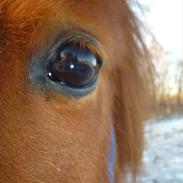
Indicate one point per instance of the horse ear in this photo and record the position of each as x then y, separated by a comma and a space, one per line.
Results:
130, 84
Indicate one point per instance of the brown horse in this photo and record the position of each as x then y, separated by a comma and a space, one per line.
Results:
72, 80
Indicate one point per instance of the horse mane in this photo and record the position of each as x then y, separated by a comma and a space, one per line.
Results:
130, 103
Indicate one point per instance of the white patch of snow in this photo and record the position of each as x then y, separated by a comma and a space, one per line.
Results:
163, 155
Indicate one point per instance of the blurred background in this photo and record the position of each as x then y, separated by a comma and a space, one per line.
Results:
163, 156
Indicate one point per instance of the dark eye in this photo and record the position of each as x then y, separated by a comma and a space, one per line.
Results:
74, 66
70, 67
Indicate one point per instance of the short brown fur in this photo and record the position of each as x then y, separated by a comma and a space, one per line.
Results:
47, 137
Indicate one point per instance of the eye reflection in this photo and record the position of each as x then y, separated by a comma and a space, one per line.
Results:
74, 66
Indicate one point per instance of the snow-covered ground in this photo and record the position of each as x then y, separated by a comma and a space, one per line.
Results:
163, 156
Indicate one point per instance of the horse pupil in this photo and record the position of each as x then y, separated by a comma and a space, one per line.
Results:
73, 66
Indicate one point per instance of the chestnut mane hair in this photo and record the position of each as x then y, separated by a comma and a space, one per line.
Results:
46, 136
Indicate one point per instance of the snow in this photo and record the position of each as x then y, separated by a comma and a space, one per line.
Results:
163, 155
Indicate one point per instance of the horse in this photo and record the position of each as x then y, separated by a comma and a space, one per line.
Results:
73, 80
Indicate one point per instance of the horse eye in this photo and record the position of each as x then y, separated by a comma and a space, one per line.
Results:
74, 66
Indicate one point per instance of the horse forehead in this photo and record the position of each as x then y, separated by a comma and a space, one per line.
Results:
28, 13
33, 7
20, 19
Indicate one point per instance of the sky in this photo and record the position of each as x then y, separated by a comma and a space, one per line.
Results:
165, 19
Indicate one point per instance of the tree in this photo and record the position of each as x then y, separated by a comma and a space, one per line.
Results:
180, 82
